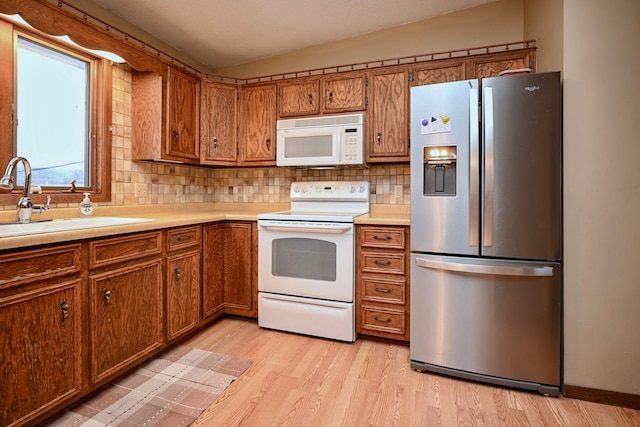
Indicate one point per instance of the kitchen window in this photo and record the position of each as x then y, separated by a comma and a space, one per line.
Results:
59, 121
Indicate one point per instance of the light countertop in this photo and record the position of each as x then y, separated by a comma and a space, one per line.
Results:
175, 215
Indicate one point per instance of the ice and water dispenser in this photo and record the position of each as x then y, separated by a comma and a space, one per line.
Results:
440, 170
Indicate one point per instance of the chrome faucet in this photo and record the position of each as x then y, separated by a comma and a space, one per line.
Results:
25, 206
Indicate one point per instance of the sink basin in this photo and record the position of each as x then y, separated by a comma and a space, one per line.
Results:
11, 230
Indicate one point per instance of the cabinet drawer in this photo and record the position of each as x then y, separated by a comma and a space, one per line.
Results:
126, 248
28, 266
183, 237
384, 290
382, 319
380, 262
381, 237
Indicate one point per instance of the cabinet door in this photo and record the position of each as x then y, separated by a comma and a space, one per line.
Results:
388, 136
344, 93
126, 316
299, 98
259, 126
213, 250
439, 72
218, 124
182, 116
238, 262
182, 293
492, 65
41, 342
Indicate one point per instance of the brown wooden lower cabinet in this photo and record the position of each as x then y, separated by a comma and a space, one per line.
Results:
229, 269
382, 281
41, 350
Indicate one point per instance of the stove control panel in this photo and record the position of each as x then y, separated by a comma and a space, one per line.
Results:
330, 190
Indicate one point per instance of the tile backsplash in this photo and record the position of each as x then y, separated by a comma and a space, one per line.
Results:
169, 183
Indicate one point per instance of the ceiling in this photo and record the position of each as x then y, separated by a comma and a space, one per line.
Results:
224, 33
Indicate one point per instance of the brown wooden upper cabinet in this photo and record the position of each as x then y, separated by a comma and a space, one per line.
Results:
387, 137
439, 72
165, 115
490, 65
218, 123
334, 93
344, 93
299, 97
258, 125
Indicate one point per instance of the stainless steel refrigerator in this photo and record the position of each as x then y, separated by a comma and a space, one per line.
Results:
486, 230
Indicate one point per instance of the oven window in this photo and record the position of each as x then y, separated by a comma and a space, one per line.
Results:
304, 259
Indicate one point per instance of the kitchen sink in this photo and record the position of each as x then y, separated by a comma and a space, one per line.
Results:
68, 224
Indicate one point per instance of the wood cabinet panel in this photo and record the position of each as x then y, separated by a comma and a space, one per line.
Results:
218, 124
41, 342
439, 72
258, 121
126, 316
213, 250
26, 266
299, 97
388, 136
490, 65
182, 140
238, 266
182, 293
118, 249
344, 93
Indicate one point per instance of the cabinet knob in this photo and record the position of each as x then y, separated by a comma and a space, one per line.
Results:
64, 309
310, 99
177, 273
379, 137
331, 97
107, 295
268, 143
215, 142
176, 136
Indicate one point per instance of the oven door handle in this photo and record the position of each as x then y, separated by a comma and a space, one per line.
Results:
306, 229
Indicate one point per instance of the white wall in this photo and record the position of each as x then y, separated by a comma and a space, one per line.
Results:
602, 194
498, 22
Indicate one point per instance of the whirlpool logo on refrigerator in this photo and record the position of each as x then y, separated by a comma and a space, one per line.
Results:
532, 88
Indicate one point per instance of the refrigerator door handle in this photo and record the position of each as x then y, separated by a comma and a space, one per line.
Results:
487, 231
503, 270
474, 169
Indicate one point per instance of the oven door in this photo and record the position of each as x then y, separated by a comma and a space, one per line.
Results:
307, 259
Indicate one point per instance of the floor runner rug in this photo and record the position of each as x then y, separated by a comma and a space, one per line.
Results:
172, 389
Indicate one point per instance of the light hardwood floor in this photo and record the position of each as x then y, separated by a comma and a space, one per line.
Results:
296, 380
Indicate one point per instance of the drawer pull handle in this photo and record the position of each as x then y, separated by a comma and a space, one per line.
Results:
382, 262
64, 308
377, 319
107, 295
376, 237
183, 238
382, 290
177, 273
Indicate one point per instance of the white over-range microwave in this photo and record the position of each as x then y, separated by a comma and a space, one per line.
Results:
321, 141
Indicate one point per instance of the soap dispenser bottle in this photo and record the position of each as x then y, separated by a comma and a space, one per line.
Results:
86, 207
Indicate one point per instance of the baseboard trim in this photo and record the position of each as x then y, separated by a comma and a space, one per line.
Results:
603, 396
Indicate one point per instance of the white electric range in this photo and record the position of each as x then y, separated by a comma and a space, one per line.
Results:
306, 260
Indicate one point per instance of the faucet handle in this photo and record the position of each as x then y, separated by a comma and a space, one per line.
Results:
42, 208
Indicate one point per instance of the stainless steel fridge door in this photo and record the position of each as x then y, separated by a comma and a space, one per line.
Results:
522, 164
446, 223
500, 320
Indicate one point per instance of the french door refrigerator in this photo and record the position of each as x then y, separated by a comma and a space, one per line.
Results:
486, 230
